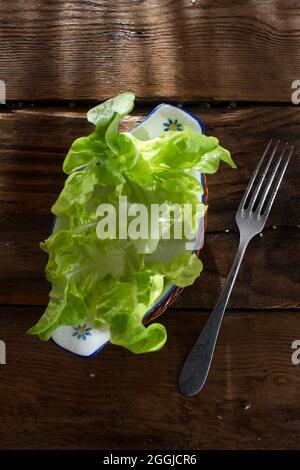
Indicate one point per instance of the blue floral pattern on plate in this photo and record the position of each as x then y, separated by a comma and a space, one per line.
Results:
81, 331
173, 125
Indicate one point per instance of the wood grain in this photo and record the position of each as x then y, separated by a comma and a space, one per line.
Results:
33, 144
179, 49
52, 399
268, 278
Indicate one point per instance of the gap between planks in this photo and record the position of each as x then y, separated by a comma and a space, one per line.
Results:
13, 105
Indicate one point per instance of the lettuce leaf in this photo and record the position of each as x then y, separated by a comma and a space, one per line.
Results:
114, 281
106, 117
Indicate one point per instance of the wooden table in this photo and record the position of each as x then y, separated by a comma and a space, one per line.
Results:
232, 64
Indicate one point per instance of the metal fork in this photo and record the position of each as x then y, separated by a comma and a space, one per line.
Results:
250, 218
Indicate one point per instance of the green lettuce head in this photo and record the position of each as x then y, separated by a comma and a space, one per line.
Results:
113, 281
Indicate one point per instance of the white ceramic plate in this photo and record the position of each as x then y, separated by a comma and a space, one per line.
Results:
84, 340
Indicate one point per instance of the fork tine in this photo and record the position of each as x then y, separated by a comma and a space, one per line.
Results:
250, 184
271, 179
277, 184
261, 180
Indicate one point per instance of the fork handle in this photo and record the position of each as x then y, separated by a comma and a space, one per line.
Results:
196, 367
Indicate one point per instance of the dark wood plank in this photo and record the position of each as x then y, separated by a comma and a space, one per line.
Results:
32, 147
176, 49
51, 399
34, 142
246, 132
273, 256
268, 278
